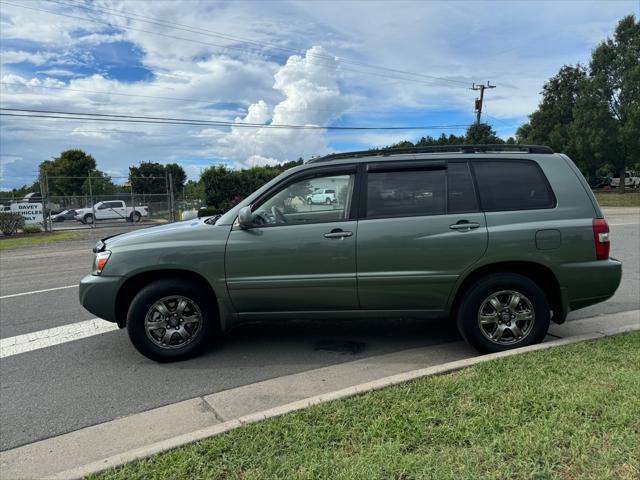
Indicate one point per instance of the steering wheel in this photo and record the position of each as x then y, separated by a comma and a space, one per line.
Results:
279, 216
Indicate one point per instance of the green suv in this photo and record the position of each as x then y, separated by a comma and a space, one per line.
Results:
501, 239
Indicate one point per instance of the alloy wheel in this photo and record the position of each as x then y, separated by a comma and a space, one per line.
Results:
173, 322
506, 317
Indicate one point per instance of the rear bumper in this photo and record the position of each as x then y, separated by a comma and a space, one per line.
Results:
98, 295
587, 283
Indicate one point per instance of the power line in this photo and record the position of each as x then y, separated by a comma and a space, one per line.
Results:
195, 100
262, 44
32, 113
104, 22
140, 133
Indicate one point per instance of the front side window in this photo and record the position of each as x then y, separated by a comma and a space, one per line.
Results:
512, 185
406, 193
317, 199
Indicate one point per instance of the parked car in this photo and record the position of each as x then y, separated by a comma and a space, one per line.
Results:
504, 243
111, 210
322, 195
64, 215
599, 182
631, 180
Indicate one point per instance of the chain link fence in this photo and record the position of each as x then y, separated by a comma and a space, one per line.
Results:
103, 201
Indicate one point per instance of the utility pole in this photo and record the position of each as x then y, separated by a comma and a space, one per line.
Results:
480, 100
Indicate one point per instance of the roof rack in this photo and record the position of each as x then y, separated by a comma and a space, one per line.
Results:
501, 147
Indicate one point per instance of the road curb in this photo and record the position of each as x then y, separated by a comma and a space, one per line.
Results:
180, 440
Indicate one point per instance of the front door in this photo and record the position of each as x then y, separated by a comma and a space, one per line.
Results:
298, 256
420, 229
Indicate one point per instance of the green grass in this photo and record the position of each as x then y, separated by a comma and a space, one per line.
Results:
12, 242
615, 199
571, 412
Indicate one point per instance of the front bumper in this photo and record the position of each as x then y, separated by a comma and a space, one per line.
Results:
98, 295
587, 283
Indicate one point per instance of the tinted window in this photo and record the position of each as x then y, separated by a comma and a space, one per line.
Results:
460, 191
512, 185
405, 193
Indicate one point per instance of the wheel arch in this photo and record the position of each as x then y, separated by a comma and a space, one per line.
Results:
542, 275
134, 284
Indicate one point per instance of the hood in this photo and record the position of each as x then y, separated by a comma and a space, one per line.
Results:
161, 233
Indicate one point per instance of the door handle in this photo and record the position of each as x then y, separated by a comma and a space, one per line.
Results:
337, 233
464, 226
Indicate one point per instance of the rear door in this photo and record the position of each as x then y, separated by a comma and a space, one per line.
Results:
420, 227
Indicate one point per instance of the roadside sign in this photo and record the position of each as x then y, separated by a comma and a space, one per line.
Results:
32, 212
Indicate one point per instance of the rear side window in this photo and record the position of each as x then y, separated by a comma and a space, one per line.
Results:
406, 193
460, 191
512, 185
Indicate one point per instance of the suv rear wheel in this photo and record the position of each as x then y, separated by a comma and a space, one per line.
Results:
503, 311
171, 320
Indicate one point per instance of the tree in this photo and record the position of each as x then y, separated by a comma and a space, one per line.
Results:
178, 176
482, 134
194, 191
615, 72
224, 187
148, 178
101, 184
551, 123
593, 114
73, 166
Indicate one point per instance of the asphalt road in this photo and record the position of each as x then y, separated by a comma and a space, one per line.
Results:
62, 388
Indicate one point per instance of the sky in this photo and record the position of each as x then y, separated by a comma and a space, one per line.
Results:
318, 63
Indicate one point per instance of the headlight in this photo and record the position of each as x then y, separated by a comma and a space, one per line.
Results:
100, 261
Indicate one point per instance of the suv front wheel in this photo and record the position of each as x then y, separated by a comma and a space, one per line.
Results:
503, 311
170, 320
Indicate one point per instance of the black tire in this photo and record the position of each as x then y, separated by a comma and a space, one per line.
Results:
474, 297
135, 217
328, 201
88, 218
309, 201
160, 289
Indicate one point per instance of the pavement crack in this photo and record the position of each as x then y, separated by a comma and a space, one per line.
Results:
209, 408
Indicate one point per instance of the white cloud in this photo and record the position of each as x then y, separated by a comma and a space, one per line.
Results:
59, 72
18, 56
311, 97
516, 45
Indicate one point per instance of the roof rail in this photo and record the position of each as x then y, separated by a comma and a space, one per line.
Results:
500, 147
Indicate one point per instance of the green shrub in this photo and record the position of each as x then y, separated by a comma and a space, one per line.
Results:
208, 212
35, 228
10, 222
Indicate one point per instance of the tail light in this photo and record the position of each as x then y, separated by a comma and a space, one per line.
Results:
146, 209
601, 238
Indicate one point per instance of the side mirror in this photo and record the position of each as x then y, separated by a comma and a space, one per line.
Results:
245, 217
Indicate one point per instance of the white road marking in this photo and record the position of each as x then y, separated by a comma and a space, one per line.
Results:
54, 336
620, 224
38, 291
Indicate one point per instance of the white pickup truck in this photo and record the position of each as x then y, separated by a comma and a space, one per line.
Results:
111, 210
631, 180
